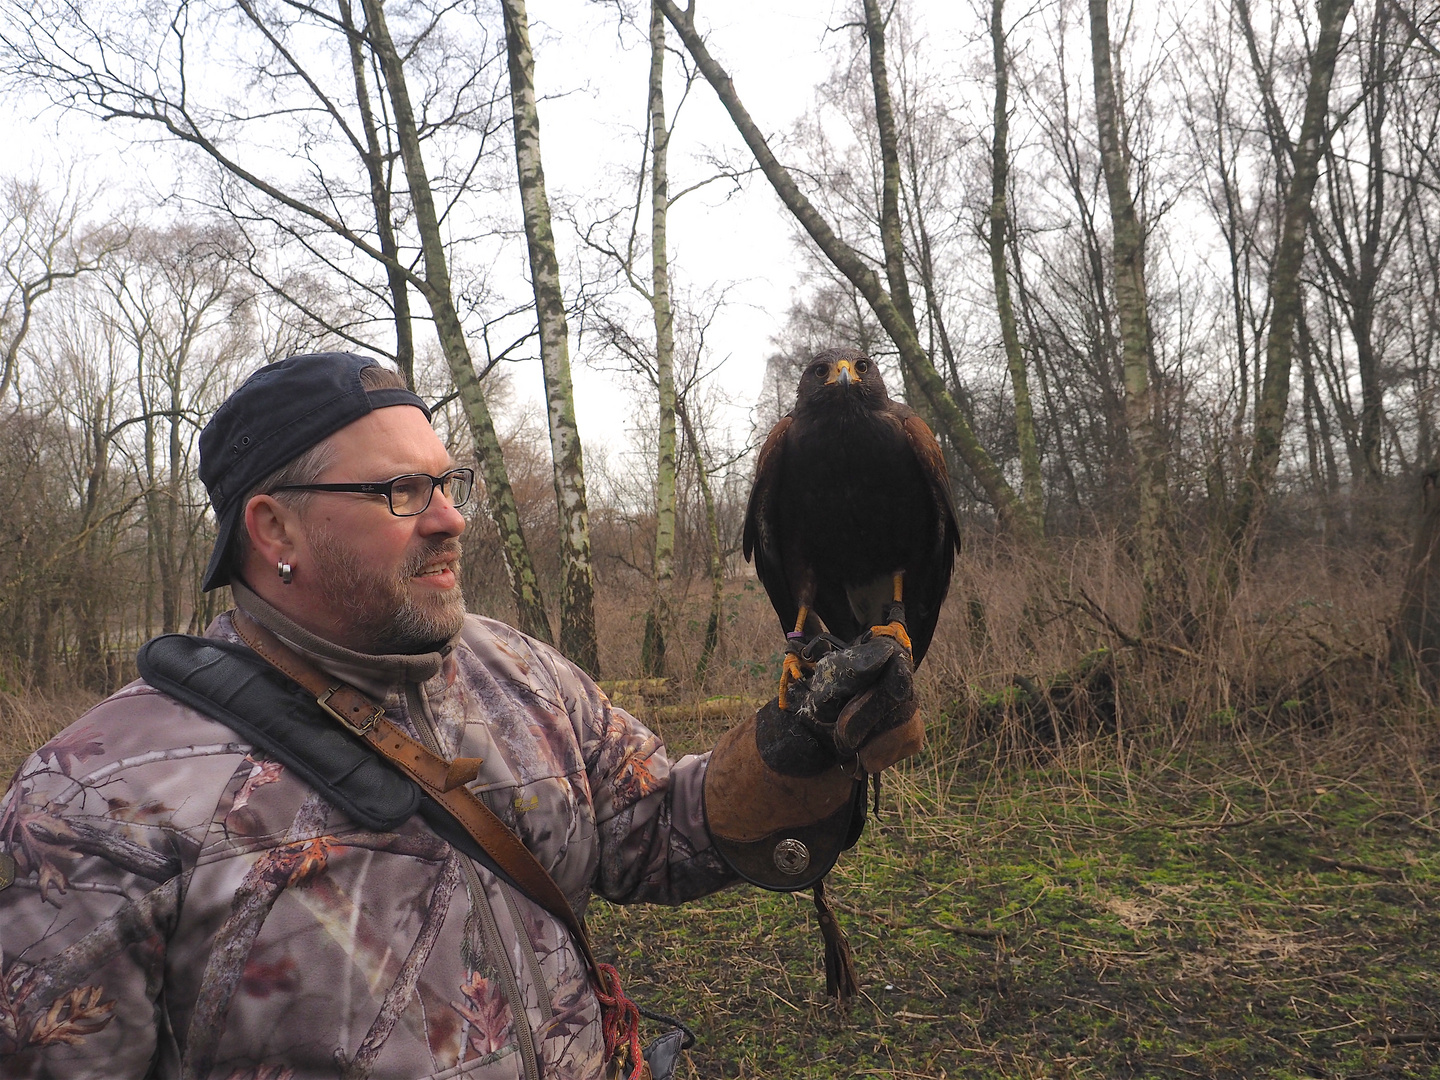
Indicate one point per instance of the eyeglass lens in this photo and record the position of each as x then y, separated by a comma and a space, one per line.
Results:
410, 495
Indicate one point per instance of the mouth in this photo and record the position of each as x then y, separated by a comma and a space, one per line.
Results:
440, 573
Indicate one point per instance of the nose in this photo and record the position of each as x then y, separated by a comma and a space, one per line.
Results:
843, 372
441, 518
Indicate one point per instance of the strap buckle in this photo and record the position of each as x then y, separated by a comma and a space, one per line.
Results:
362, 727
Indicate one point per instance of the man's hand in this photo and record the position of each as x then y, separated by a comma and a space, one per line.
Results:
858, 704
785, 790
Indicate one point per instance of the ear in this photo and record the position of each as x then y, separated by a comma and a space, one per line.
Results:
274, 529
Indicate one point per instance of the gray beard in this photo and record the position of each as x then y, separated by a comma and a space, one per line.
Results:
383, 615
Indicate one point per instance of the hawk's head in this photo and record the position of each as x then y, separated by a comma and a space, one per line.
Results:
840, 378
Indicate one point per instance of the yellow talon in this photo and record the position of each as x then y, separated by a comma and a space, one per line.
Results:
894, 630
790, 671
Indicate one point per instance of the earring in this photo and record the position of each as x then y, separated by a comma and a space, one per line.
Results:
287, 573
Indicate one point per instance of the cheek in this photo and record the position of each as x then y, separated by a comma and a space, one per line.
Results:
378, 548
390, 547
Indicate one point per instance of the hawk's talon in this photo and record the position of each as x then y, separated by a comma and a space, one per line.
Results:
791, 671
896, 630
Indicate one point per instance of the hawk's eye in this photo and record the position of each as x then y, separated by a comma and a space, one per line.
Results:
862, 366
820, 370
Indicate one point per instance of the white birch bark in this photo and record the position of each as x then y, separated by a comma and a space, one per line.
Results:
435, 286
577, 590
657, 620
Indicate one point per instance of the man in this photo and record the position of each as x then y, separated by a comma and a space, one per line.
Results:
180, 899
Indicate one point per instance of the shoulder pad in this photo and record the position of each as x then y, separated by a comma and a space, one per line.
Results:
229, 683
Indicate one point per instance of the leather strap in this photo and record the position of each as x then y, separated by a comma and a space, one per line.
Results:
442, 780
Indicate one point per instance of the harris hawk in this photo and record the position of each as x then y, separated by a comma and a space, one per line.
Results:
851, 521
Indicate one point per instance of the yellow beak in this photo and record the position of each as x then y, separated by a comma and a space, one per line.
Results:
844, 374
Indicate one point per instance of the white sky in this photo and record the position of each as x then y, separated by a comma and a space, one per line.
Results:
743, 243
592, 83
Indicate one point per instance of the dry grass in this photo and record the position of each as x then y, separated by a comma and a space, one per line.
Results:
28, 720
1219, 858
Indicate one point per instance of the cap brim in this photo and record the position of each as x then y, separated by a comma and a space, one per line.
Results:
218, 572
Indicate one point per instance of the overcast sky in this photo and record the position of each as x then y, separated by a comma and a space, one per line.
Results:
592, 79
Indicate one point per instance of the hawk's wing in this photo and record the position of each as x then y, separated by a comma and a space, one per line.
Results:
932, 464
761, 537
926, 586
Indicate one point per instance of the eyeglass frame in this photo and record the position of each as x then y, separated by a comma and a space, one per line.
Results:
387, 488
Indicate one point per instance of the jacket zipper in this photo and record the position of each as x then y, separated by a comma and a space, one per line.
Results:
524, 1035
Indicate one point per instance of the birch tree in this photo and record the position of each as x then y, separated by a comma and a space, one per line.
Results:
1302, 156
657, 619
858, 271
1160, 570
577, 589
146, 69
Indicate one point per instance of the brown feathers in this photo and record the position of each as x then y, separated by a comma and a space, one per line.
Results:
850, 490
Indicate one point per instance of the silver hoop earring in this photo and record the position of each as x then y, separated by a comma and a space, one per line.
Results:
287, 573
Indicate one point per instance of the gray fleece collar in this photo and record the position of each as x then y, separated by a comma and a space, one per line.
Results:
377, 676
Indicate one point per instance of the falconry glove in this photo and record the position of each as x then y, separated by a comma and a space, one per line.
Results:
785, 790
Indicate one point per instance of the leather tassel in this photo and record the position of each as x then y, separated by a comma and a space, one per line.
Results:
840, 979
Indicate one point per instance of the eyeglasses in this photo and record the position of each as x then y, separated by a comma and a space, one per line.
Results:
407, 495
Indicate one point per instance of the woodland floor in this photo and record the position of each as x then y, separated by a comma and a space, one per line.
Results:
1218, 914
1233, 872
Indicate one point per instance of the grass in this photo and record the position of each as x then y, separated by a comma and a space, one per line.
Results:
1052, 918
1222, 861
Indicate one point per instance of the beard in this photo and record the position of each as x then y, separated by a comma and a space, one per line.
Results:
384, 614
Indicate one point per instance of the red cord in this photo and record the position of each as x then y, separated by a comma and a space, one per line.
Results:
620, 1019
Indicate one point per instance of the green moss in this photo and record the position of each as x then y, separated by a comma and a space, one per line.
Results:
1176, 927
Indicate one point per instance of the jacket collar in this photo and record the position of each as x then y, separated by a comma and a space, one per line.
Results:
378, 676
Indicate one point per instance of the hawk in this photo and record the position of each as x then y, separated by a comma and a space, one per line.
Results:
851, 521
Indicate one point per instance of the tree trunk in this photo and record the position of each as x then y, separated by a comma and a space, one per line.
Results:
374, 158
850, 263
652, 651
577, 591
1031, 490
892, 234
1364, 229
1285, 298
171, 553
892, 237
1161, 574
499, 497
717, 559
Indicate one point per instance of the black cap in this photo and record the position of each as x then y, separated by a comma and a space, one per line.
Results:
278, 413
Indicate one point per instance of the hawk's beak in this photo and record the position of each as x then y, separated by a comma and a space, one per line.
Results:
844, 374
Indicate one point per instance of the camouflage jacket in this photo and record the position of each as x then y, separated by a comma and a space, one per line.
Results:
185, 907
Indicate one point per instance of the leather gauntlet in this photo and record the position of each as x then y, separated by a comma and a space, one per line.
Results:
785, 790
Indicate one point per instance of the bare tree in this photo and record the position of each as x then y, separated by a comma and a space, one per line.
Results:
42, 243
1302, 155
1365, 216
1160, 570
577, 589
657, 619
148, 69
858, 271
177, 304
1031, 491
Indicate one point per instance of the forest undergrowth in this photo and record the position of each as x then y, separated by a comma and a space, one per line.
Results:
1116, 856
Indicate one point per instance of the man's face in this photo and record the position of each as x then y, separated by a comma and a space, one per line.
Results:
373, 581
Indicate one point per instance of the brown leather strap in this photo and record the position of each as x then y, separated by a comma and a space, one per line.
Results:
442, 780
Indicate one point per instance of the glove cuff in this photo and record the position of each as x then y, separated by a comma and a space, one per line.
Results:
775, 830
